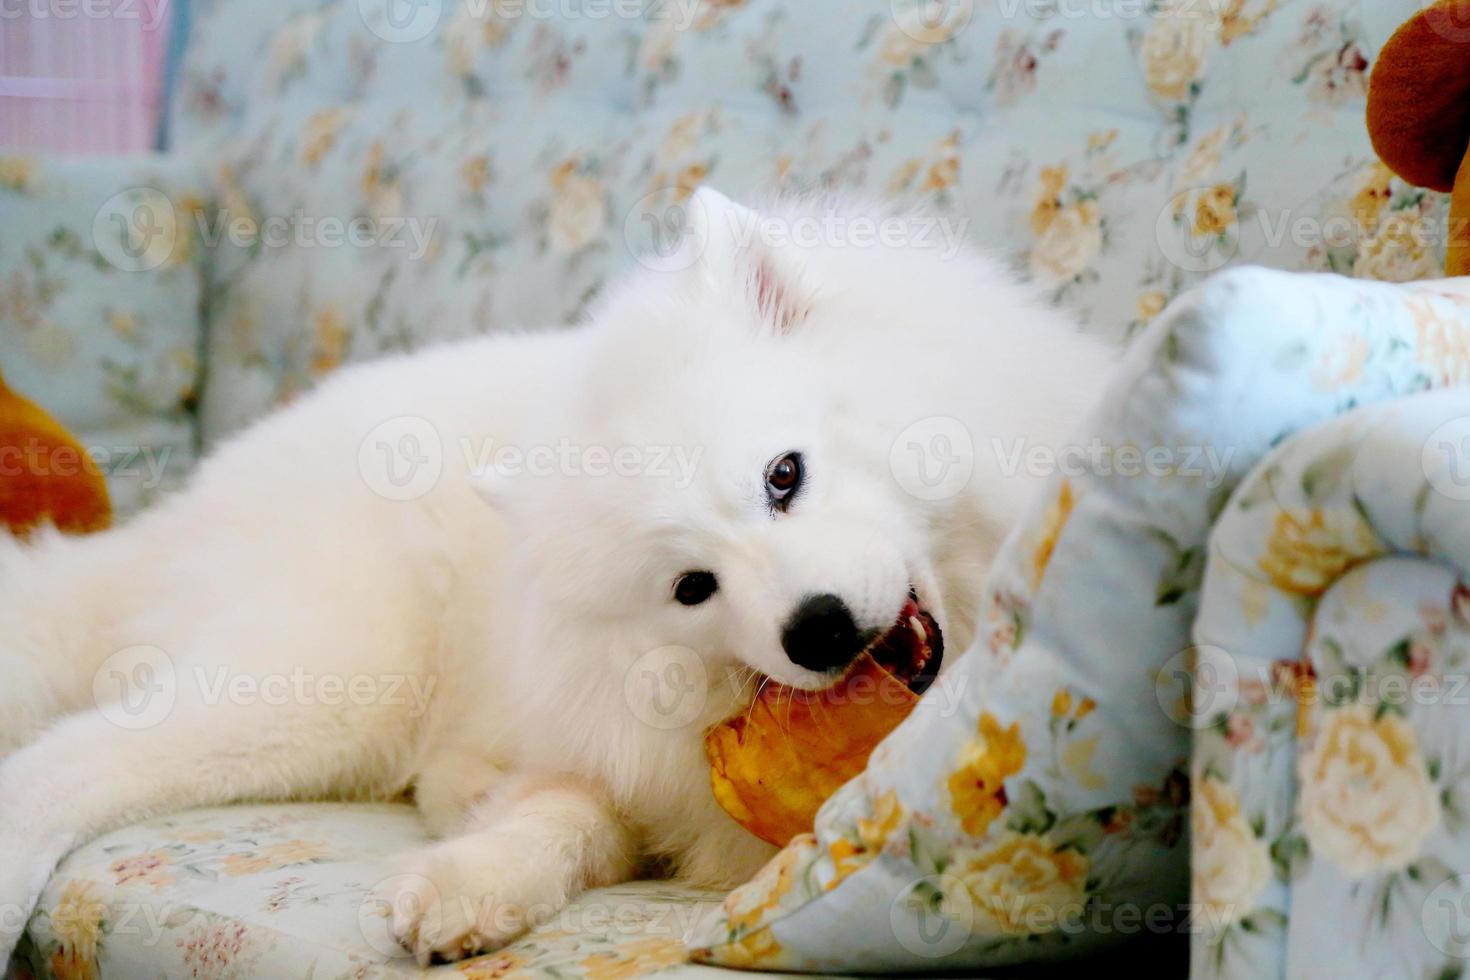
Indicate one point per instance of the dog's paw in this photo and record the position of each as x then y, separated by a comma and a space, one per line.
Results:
460, 898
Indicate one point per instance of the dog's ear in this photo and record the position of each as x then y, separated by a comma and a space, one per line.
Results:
733, 250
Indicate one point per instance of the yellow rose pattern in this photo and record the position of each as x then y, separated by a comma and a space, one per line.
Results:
637, 958
1231, 868
1019, 884
1068, 224
1001, 860
977, 785
1330, 764
16, 172
1308, 551
1367, 802
873, 834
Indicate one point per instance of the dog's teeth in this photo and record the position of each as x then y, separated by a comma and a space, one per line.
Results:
918, 629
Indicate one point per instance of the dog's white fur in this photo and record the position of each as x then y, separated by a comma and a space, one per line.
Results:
535, 764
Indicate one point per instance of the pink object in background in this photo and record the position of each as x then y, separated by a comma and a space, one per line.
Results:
82, 75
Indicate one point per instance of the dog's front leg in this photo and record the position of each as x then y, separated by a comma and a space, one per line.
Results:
528, 848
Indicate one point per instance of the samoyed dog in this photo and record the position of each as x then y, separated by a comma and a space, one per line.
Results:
446, 574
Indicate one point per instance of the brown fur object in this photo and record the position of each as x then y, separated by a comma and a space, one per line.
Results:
45, 475
1419, 112
773, 765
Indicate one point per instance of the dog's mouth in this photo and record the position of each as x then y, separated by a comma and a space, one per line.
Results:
913, 648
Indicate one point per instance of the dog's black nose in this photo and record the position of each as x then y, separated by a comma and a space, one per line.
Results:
821, 635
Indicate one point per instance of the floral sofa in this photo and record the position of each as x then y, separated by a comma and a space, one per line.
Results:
351, 177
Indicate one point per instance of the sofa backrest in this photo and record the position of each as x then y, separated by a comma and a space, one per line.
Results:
506, 157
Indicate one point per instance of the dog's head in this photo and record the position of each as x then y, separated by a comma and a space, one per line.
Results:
728, 473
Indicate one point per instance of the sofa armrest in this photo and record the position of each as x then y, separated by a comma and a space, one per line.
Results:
1333, 623
100, 294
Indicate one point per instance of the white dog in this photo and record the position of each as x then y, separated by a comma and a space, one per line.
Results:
747, 459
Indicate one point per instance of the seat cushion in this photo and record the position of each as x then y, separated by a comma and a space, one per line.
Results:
284, 891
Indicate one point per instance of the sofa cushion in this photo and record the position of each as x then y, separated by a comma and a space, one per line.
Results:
284, 891
1034, 804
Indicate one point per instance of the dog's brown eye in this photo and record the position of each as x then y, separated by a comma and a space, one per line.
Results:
783, 480
693, 588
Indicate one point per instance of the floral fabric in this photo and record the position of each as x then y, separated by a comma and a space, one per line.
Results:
1035, 804
1330, 761
383, 174
512, 157
283, 891
99, 309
